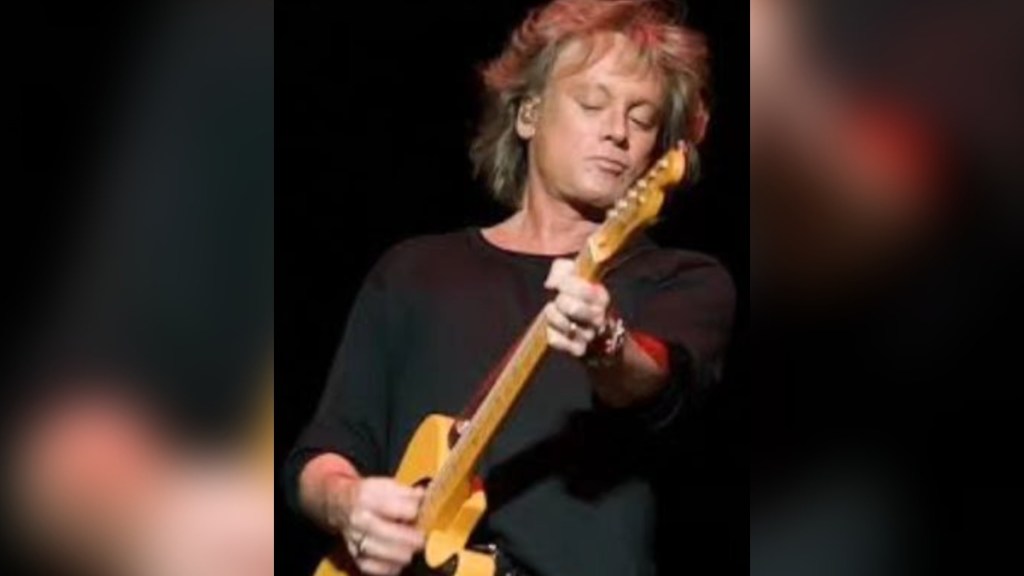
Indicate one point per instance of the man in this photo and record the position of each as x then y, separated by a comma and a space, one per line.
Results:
586, 96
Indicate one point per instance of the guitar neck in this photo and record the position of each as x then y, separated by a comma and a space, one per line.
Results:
494, 409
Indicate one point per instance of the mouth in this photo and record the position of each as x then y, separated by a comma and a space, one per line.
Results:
610, 165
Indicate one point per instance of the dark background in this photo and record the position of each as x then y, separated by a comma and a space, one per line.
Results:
137, 227
374, 113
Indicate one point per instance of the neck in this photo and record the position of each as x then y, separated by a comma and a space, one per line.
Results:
543, 225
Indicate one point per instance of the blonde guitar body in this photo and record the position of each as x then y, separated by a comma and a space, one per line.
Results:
445, 462
445, 546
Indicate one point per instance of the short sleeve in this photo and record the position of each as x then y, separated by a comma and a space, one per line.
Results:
687, 302
351, 417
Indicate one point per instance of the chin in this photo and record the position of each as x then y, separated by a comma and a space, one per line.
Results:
599, 189
594, 203
607, 198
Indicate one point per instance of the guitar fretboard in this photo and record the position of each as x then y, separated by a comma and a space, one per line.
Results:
493, 410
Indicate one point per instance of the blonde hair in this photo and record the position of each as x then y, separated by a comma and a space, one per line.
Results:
678, 53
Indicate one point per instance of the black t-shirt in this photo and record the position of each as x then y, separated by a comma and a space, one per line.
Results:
566, 478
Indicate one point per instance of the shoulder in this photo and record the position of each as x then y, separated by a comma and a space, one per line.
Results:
413, 257
666, 267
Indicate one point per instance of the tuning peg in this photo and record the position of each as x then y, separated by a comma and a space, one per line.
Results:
663, 163
612, 213
621, 204
633, 194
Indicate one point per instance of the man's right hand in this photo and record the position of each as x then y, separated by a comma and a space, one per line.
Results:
375, 516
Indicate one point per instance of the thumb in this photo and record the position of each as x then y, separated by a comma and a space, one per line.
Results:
560, 268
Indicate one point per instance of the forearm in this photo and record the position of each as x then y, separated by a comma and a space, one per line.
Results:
637, 373
323, 476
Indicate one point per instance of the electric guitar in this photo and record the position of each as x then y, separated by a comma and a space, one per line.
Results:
444, 451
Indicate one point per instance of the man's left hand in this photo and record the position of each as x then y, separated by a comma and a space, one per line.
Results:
578, 313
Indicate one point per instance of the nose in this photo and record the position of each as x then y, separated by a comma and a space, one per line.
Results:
615, 128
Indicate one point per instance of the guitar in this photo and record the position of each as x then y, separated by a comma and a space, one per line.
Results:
444, 452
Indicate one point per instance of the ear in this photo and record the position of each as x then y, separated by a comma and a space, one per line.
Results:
699, 123
526, 117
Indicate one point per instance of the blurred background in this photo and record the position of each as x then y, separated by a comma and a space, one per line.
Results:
375, 111
885, 235
138, 244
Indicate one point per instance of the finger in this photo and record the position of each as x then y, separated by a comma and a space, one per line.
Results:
593, 293
392, 500
375, 567
379, 485
598, 294
359, 521
356, 542
578, 311
556, 319
393, 551
569, 329
395, 507
398, 533
393, 542
559, 341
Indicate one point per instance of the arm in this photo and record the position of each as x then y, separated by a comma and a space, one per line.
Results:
626, 367
634, 374
336, 475
325, 477
371, 515
675, 342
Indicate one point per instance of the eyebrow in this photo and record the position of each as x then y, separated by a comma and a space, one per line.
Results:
643, 102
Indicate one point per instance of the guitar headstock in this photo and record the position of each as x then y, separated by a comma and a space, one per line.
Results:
639, 207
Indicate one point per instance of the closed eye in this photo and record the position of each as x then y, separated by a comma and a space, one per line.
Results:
643, 123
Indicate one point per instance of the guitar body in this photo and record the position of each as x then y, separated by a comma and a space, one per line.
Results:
445, 546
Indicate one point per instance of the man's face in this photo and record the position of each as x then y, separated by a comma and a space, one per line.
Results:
595, 128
